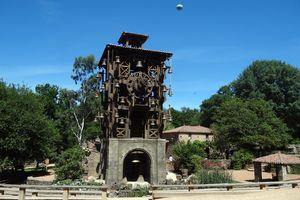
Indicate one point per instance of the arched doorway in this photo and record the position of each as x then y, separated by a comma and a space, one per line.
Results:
136, 164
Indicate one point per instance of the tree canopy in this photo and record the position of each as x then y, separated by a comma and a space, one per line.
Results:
274, 81
249, 124
25, 132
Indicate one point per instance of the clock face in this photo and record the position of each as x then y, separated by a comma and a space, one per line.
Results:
140, 85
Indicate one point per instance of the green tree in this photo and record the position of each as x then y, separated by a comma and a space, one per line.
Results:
186, 116
210, 107
249, 124
85, 104
48, 96
25, 132
276, 82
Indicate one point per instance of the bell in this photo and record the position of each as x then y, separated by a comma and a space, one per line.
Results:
103, 87
164, 117
101, 116
152, 123
170, 70
117, 115
117, 85
121, 121
122, 101
153, 103
96, 95
165, 89
139, 64
170, 93
118, 59
164, 66
104, 62
170, 119
99, 76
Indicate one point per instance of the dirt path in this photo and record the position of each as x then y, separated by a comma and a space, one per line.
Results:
245, 175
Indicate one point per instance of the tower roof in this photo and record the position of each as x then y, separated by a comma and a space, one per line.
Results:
132, 39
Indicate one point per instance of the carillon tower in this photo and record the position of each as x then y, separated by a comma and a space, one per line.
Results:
133, 93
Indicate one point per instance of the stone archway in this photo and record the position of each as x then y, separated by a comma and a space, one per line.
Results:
137, 165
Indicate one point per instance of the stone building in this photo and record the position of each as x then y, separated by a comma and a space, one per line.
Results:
186, 133
133, 91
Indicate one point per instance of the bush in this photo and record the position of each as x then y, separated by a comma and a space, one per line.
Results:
69, 164
295, 169
212, 176
241, 158
188, 155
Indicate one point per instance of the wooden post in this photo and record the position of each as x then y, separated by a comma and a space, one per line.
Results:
35, 194
153, 188
66, 193
257, 172
262, 186
229, 188
22, 192
1, 192
104, 194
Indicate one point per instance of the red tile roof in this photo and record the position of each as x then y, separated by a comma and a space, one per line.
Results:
278, 158
190, 129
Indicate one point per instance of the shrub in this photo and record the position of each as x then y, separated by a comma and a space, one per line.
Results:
295, 169
189, 154
212, 176
69, 164
241, 158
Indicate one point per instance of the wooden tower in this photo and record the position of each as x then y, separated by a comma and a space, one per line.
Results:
133, 93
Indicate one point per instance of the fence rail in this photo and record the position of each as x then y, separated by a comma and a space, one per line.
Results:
53, 192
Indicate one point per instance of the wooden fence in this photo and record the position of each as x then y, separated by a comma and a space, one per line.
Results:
45, 192
52, 192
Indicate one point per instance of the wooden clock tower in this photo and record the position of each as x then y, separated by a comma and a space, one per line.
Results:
133, 93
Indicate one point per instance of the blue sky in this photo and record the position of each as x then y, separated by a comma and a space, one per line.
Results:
212, 40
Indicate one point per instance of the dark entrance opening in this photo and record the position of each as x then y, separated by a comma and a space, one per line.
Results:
138, 121
136, 164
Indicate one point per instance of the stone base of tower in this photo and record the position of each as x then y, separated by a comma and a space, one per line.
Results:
136, 158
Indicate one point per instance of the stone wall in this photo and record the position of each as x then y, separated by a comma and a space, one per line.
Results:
119, 148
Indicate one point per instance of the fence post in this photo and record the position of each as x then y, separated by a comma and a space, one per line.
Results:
66, 193
262, 186
294, 185
152, 189
103, 193
229, 187
22, 192
35, 194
